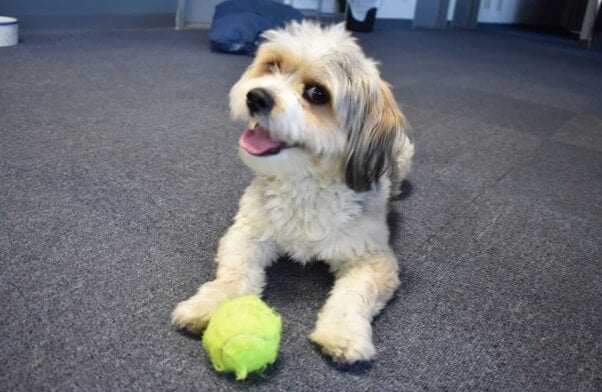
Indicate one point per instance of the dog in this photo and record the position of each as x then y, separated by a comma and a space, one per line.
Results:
329, 147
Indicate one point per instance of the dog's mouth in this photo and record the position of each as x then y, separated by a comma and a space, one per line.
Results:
257, 141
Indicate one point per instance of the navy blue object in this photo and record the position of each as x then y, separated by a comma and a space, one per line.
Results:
237, 23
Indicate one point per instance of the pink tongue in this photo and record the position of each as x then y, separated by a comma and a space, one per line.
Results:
257, 141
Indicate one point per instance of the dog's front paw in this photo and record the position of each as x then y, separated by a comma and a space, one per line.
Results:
192, 315
343, 345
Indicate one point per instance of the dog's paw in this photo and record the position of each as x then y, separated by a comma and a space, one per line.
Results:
343, 345
193, 314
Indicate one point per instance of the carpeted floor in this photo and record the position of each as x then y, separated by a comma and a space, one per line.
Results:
119, 173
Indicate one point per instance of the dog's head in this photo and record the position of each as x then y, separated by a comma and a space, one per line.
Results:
316, 105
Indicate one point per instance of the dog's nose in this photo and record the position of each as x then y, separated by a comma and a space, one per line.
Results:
259, 100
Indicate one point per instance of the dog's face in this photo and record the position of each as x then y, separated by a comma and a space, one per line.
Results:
316, 105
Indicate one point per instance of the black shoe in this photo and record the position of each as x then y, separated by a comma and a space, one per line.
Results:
363, 27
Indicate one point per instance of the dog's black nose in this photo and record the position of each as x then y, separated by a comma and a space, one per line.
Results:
259, 100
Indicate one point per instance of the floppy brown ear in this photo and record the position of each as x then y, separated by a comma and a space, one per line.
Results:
374, 133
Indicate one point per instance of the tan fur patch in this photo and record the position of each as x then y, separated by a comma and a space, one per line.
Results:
320, 116
284, 60
391, 117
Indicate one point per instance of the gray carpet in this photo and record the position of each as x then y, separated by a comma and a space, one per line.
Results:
119, 173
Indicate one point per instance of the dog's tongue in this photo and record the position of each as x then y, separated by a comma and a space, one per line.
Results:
257, 141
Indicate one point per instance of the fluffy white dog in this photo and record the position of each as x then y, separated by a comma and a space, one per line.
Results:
328, 146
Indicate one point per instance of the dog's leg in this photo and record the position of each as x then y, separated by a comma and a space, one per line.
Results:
360, 291
241, 263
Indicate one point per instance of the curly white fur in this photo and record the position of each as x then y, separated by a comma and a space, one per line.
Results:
327, 197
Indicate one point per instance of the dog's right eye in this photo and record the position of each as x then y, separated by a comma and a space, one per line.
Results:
271, 67
315, 94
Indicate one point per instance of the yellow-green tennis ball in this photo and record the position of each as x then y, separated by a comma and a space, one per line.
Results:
243, 336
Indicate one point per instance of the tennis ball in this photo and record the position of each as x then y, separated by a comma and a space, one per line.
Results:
243, 336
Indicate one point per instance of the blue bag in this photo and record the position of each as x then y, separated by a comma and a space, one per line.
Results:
237, 23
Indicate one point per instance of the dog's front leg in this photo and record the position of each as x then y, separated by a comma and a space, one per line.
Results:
241, 261
361, 290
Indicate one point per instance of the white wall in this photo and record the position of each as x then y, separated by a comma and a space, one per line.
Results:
85, 7
490, 11
522, 11
450, 10
327, 5
389, 9
405, 9
499, 11
396, 9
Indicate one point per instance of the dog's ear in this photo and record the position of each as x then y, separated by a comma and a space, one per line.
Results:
375, 127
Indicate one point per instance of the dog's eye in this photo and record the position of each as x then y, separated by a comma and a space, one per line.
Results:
315, 94
271, 67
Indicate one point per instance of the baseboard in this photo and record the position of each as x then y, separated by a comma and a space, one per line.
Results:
95, 21
386, 24
551, 30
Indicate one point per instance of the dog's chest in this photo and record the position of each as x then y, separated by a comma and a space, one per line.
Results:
309, 221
